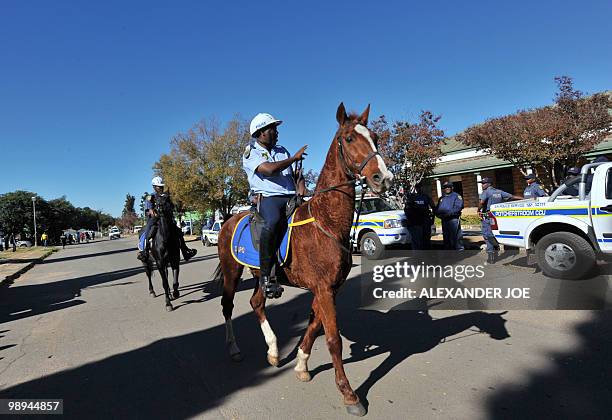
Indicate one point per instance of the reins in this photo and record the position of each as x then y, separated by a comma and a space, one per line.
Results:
352, 181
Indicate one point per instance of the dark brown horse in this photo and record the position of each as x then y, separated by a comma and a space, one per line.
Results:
320, 259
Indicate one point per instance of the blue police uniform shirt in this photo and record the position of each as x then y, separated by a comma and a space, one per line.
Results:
280, 183
450, 205
494, 196
149, 201
534, 190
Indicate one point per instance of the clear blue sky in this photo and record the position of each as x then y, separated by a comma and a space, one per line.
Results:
92, 92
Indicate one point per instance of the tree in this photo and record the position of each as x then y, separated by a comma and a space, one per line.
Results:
203, 170
311, 178
552, 138
128, 208
410, 149
16, 212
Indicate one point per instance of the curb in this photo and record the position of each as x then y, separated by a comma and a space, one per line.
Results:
8, 280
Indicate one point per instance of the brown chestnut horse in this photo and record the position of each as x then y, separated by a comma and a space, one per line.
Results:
320, 259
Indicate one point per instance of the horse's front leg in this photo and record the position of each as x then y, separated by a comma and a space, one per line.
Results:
327, 308
258, 303
304, 351
163, 272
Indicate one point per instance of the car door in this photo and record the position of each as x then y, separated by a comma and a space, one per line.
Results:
601, 203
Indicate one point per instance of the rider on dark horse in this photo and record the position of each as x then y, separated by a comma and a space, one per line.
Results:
271, 177
152, 218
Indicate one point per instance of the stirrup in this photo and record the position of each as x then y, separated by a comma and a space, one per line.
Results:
270, 288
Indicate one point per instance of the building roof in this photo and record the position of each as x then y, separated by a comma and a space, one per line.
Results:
451, 145
474, 164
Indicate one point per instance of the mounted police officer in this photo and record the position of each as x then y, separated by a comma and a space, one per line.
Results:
419, 214
488, 197
449, 210
533, 189
271, 178
152, 218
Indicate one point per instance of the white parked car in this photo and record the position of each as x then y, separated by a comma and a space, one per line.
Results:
379, 226
211, 236
24, 244
114, 233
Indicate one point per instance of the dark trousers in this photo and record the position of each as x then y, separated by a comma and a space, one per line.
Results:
487, 234
452, 234
420, 236
272, 210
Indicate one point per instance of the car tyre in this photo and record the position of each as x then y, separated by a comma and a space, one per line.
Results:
565, 255
371, 247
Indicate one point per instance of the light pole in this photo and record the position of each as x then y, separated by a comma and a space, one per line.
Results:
34, 205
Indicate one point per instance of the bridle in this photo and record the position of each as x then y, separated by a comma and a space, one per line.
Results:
353, 180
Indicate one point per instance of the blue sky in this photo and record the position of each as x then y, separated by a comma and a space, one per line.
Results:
92, 92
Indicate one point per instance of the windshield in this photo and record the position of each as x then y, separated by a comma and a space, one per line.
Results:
373, 205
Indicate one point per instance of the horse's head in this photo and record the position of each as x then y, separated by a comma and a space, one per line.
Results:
358, 150
165, 205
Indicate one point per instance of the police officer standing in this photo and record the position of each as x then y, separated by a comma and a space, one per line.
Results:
488, 197
418, 209
449, 210
533, 189
271, 178
571, 174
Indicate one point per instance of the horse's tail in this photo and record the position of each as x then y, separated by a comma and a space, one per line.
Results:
218, 276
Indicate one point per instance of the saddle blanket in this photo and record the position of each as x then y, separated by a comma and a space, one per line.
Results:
243, 249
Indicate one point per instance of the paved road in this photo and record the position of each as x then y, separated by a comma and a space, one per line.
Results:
82, 327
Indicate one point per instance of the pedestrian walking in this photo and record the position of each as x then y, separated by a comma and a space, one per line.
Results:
44, 238
63, 240
449, 210
419, 217
488, 197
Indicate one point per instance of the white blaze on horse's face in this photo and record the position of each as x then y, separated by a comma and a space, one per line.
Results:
387, 176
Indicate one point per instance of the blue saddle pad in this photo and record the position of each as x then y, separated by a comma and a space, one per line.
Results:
243, 250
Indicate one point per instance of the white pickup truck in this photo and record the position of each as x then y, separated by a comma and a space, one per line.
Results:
568, 233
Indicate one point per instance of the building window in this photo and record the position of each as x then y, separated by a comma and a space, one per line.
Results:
504, 180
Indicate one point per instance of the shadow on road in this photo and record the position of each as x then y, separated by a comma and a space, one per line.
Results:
194, 374
95, 254
576, 384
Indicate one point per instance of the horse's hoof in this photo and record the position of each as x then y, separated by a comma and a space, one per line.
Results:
236, 357
176, 294
152, 293
169, 308
303, 376
273, 360
356, 409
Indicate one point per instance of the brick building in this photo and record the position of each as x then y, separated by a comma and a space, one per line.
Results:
464, 166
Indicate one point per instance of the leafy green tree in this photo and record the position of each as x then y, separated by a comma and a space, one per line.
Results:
16, 212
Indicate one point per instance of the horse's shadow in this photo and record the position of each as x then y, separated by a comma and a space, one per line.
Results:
402, 333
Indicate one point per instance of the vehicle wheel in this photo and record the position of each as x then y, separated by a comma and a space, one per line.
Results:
23, 246
565, 255
206, 241
371, 247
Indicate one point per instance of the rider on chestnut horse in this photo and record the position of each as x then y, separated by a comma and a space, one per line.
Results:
152, 217
271, 177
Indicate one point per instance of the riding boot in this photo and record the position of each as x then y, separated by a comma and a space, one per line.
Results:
270, 287
187, 252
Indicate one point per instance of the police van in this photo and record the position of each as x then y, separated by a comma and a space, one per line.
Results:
566, 233
379, 226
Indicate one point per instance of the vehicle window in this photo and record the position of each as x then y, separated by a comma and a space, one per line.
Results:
216, 227
373, 206
609, 185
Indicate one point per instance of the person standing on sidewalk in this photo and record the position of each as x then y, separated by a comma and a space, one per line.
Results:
488, 197
449, 210
419, 211
44, 238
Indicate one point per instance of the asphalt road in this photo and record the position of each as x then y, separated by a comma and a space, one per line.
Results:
83, 327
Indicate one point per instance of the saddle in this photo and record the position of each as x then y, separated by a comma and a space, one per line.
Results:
247, 234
